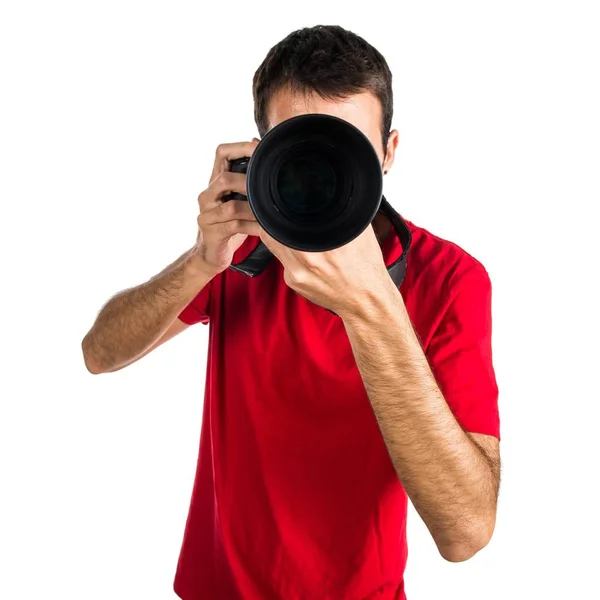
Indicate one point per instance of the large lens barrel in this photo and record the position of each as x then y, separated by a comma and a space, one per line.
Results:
314, 182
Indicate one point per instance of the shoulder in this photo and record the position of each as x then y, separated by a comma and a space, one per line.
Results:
443, 280
442, 264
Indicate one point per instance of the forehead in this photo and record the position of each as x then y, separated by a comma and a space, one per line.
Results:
363, 110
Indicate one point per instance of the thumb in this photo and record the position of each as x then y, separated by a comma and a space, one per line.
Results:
270, 243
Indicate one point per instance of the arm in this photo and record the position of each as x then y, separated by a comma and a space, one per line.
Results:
139, 319
136, 321
452, 477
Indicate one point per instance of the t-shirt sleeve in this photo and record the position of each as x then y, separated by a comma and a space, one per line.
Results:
460, 355
197, 311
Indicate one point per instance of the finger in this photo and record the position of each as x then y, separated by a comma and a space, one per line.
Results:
228, 211
228, 152
225, 183
248, 227
225, 231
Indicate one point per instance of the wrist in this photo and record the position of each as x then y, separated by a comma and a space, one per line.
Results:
196, 267
373, 304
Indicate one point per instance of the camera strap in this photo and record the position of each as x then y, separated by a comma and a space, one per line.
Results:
256, 262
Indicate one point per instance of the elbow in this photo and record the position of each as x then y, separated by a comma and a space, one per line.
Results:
469, 541
92, 368
90, 365
459, 552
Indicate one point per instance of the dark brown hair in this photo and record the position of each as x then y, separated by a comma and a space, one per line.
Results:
329, 60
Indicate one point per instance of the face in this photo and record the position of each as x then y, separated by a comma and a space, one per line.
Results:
361, 110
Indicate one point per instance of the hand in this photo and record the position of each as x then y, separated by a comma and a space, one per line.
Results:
341, 279
224, 226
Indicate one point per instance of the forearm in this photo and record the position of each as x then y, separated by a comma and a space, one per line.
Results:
448, 478
134, 319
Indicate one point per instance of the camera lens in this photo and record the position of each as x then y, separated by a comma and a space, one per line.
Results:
306, 184
314, 182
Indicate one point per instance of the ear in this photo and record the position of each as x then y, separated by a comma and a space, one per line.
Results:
390, 151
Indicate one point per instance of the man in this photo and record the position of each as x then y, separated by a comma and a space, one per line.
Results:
317, 425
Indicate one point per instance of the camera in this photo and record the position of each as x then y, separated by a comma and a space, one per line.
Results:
314, 182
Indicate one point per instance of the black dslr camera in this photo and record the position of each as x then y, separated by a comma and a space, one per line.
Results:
314, 183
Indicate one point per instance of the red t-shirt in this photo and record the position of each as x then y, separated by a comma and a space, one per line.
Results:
295, 495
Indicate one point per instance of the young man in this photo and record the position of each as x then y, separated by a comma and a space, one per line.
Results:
317, 425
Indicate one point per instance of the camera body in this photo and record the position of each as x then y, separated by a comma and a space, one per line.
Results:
238, 165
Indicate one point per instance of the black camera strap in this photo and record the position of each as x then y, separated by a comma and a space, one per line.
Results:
397, 269
256, 262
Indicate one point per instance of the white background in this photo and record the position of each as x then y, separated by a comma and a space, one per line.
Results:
110, 114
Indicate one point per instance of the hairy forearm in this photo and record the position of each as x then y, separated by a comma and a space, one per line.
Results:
450, 480
134, 319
